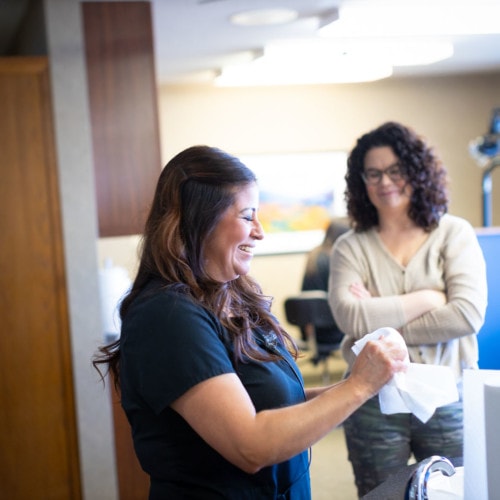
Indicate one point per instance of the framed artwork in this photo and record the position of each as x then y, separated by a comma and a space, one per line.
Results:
299, 194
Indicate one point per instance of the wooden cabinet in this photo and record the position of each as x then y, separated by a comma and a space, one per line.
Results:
133, 482
39, 450
123, 111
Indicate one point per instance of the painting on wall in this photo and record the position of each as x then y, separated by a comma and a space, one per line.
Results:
299, 194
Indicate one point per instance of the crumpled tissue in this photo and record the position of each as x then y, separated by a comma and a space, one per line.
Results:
419, 390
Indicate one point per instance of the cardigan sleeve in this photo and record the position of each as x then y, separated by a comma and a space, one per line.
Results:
464, 275
351, 261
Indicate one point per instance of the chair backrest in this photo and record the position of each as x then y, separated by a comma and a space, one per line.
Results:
309, 307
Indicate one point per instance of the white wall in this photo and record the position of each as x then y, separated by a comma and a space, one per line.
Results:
79, 219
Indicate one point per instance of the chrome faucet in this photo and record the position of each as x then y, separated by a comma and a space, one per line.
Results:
418, 481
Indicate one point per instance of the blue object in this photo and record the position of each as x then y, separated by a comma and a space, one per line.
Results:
489, 335
491, 144
495, 122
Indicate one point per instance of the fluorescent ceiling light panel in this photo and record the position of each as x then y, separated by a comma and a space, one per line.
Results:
418, 53
401, 52
427, 17
322, 60
305, 62
264, 17
268, 75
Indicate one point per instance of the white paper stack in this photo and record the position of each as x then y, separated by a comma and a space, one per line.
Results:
114, 282
481, 434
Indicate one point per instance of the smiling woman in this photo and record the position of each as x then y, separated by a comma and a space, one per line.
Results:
229, 251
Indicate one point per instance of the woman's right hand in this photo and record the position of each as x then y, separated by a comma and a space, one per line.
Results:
359, 291
377, 362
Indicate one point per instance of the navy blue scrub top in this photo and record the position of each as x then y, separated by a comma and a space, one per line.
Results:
168, 345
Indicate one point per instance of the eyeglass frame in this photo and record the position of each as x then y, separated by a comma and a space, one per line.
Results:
380, 174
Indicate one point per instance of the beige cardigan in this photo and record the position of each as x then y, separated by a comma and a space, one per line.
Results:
450, 260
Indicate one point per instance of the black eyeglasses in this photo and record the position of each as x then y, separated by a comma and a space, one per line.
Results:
373, 176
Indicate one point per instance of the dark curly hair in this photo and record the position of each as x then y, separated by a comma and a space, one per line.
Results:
422, 169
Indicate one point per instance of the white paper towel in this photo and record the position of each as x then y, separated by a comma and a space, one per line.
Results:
481, 434
114, 282
419, 390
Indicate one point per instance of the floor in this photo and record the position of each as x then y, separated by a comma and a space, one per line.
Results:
331, 473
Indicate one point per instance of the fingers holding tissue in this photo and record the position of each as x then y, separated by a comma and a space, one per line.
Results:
411, 387
382, 354
389, 336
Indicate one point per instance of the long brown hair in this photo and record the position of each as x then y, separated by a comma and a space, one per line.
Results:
193, 191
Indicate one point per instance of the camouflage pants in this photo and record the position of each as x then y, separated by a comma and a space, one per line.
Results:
380, 444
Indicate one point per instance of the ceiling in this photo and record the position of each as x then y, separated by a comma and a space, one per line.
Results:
194, 38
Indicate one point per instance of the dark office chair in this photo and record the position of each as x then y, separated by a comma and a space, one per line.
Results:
310, 311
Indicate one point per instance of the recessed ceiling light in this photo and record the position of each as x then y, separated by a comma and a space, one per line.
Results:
263, 17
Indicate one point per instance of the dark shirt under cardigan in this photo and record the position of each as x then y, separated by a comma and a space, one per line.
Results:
168, 345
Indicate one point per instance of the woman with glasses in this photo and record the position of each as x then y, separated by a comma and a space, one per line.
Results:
409, 265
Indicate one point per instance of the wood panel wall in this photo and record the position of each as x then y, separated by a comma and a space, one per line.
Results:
124, 112
38, 441
126, 146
